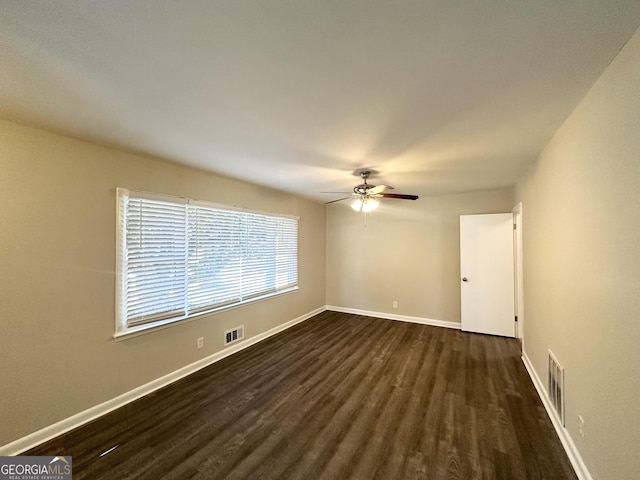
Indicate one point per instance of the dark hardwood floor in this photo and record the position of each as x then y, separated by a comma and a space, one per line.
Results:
336, 397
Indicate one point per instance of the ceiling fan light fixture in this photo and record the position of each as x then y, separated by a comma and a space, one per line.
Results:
365, 196
366, 204
370, 204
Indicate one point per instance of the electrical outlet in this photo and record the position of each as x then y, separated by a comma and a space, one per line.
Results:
395, 304
200, 342
581, 426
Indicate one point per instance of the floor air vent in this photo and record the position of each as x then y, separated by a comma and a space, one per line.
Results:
556, 386
234, 335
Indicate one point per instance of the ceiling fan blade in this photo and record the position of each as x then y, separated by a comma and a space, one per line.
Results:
399, 195
379, 189
338, 200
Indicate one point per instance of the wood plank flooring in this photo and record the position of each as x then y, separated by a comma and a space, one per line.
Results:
337, 397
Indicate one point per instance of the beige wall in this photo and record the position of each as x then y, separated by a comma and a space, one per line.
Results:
582, 266
408, 252
57, 260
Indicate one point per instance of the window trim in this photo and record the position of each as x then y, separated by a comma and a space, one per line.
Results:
124, 330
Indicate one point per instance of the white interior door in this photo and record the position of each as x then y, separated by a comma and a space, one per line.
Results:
486, 274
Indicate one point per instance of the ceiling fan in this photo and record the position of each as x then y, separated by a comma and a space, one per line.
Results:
365, 196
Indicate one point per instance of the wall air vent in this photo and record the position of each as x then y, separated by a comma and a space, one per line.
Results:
555, 386
234, 335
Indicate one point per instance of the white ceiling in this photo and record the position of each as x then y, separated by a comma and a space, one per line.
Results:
437, 96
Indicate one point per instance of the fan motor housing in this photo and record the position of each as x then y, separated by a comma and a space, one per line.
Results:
362, 189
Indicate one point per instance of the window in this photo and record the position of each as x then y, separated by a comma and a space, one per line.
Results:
179, 257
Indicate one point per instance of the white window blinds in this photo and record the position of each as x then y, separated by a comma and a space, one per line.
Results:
215, 258
287, 253
178, 257
259, 265
155, 257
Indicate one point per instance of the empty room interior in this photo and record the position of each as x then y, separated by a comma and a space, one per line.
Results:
260, 239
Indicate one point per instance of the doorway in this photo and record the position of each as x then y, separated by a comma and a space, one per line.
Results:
518, 277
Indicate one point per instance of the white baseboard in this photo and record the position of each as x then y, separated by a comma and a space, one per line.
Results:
393, 316
36, 438
567, 442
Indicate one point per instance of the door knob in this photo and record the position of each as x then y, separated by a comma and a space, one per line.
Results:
464, 279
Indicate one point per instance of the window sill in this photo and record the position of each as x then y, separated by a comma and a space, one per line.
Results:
131, 332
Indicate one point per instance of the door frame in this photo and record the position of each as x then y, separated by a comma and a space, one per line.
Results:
518, 272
